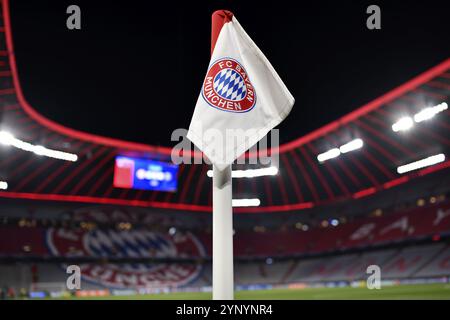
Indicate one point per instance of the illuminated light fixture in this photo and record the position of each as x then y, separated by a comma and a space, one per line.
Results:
246, 202
250, 173
403, 124
334, 222
352, 145
8, 139
421, 163
3, 185
430, 112
172, 231
336, 152
330, 154
407, 123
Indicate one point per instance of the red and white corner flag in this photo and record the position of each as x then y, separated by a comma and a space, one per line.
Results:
241, 93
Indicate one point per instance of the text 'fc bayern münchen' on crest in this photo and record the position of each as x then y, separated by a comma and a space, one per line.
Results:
227, 87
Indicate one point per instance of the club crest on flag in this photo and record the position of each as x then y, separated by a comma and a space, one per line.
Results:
227, 87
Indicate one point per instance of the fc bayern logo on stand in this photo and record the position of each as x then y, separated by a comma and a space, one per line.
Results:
227, 87
139, 243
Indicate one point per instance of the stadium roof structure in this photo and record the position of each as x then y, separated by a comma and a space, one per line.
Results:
302, 181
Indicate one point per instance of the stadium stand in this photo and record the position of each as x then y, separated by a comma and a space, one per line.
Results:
106, 241
438, 266
407, 245
420, 262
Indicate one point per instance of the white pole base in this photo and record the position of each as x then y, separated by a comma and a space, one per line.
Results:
222, 269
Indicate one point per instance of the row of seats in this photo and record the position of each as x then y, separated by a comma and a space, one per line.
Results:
427, 221
412, 224
425, 261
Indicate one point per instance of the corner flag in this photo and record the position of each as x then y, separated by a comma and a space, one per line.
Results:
241, 91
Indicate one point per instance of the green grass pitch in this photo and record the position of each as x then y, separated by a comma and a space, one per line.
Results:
408, 292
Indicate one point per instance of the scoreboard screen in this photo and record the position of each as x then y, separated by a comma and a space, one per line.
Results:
137, 173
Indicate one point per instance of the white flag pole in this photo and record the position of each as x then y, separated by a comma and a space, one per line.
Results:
222, 253
223, 282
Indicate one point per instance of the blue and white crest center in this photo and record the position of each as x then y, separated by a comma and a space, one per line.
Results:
230, 85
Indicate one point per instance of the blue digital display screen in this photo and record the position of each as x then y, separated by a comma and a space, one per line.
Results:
137, 173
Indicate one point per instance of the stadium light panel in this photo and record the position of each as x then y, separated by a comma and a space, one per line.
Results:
407, 123
430, 112
336, 152
403, 124
432, 160
39, 150
3, 185
250, 173
330, 154
7, 138
352, 145
246, 202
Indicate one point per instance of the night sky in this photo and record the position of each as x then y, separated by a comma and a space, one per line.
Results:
135, 69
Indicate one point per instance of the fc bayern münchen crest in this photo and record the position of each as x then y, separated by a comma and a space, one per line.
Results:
128, 244
227, 87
